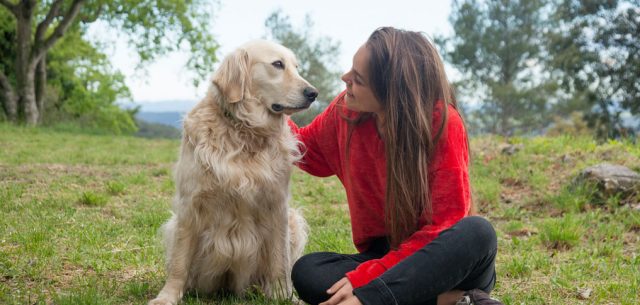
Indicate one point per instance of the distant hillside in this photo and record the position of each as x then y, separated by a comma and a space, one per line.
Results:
181, 106
173, 119
155, 130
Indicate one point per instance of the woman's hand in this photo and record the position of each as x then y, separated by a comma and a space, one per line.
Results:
342, 292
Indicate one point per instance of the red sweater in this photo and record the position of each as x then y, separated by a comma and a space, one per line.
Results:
325, 141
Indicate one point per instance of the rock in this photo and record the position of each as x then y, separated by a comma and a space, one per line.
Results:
510, 149
566, 158
584, 293
611, 179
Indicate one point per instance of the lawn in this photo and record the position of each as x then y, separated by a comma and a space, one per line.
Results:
80, 219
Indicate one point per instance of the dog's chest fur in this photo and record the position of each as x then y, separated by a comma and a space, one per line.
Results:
237, 165
233, 185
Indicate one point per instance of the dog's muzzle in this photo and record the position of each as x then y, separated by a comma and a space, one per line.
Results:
309, 94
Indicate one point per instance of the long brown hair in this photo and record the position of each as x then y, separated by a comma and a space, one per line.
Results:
407, 76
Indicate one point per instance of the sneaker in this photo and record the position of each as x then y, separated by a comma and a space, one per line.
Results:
477, 297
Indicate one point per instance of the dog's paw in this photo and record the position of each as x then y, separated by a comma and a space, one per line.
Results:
161, 301
294, 300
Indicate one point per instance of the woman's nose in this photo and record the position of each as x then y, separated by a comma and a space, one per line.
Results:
345, 78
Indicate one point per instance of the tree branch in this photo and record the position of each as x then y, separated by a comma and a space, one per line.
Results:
62, 27
11, 6
42, 26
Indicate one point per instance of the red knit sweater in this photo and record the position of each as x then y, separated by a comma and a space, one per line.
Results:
325, 141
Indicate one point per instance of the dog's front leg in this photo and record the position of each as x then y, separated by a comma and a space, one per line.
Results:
279, 284
179, 262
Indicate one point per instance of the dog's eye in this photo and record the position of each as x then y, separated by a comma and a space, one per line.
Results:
278, 64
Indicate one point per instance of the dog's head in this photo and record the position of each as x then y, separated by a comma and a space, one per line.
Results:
266, 72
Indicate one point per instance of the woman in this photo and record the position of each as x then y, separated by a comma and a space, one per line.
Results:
399, 146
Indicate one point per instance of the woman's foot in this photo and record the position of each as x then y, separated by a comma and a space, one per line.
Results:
450, 297
477, 297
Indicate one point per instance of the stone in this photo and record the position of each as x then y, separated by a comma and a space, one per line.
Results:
566, 158
510, 149
584, 293
611, 179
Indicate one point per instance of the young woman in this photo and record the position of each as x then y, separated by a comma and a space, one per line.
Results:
396, 141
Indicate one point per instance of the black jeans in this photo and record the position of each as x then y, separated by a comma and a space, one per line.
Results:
461, 257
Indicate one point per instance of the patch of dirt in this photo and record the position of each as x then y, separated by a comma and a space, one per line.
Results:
70, 273
515, 193
524, 232
127, 275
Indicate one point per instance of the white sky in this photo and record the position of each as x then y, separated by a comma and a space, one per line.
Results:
238, 21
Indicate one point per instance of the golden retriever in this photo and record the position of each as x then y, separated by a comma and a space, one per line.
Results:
232, 227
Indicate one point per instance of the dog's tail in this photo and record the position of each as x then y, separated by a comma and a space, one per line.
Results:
297, 233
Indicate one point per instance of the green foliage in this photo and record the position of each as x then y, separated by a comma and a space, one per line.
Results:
595, 51
497, 46
81, 84
83, 87
526, 62
316, 57
7, 41
573, 125
7, 53
156, 28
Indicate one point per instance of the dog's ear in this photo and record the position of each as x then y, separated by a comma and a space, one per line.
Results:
232, 78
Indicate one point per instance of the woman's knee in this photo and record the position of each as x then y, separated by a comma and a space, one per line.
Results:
301, 269
479, 230
309, 277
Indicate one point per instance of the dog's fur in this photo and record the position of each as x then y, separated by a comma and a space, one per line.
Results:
232, 227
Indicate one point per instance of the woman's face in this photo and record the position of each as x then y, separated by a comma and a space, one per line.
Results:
359, 95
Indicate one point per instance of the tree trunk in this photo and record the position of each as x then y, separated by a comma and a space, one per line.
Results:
28, 98
41, 84
9, 98
25, 67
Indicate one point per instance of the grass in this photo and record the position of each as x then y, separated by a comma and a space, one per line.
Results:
80, 216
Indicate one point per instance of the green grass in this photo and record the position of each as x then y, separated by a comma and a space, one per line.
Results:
562, 233
81, 213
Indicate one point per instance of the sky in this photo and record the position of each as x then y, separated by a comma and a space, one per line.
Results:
238, 21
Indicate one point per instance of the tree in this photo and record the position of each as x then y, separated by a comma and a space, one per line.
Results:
153, 28
497, 46
83, 87
595, 51
316, 57
7, 53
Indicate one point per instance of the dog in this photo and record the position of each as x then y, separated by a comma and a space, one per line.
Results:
232, 227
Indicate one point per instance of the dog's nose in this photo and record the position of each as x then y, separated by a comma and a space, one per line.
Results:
310, 93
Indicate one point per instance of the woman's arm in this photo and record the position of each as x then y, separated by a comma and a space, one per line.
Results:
319, 143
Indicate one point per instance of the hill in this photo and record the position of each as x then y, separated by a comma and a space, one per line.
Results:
173, 119
155, 130
80, 216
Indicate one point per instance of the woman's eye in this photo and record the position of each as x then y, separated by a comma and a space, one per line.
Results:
278, 64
